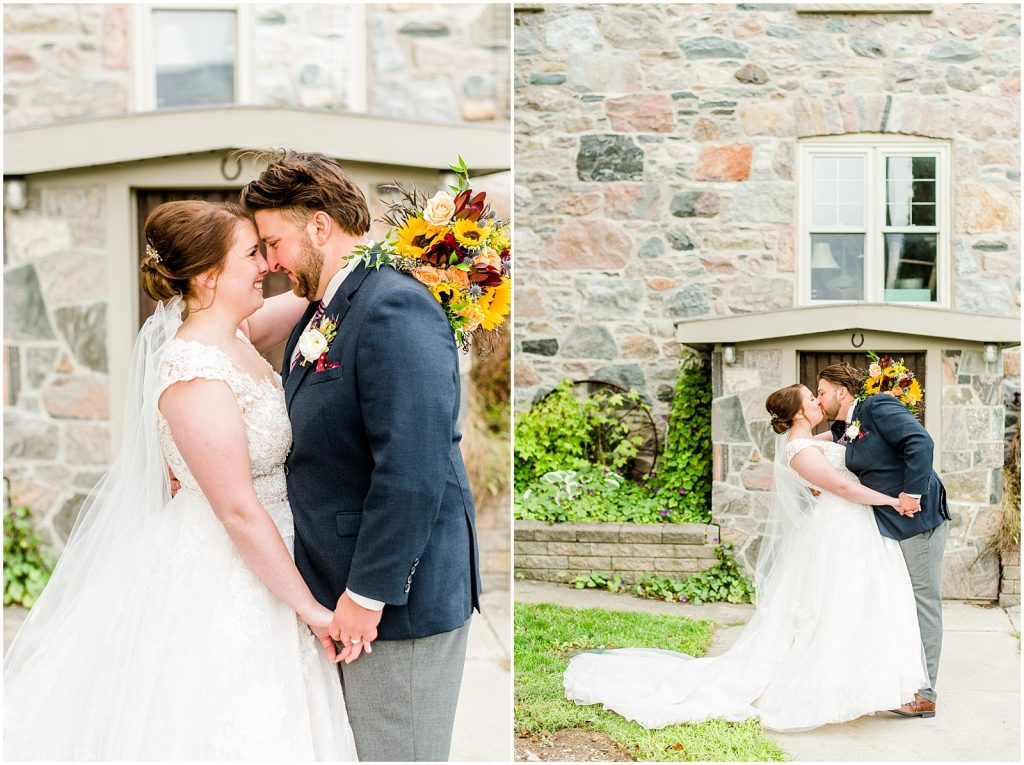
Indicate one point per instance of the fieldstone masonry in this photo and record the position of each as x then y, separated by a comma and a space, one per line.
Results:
655, 183
436, 63
57, 401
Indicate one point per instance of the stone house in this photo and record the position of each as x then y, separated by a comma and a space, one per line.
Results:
110, 110
778, 187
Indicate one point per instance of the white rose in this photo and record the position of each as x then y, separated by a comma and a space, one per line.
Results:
440, 209
853, 430
874, 370
312, 344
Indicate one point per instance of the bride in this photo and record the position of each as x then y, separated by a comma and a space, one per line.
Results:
179, 628
835, 633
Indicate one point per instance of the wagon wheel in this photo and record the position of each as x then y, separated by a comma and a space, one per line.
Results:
634, 414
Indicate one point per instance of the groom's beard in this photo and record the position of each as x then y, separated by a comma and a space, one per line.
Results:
831, 412
307, 274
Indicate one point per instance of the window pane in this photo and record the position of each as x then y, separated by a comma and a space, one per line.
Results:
837, 189
824, 215
837, 267
910, 201
910, 272
824, 168
924, 167
195, 57
923, 215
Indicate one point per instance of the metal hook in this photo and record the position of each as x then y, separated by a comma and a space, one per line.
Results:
853, 339
224, 164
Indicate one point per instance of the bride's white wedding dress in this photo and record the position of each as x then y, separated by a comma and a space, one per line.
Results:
187, 655
835, 635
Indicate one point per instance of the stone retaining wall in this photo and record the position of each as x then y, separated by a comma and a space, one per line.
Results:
561, 552
1010, 585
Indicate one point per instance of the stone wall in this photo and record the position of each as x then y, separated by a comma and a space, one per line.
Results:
445, 63
64, 62
655, 149
563, 551
431, 62
56, 396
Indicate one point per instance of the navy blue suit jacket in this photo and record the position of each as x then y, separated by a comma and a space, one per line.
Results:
376, 481
895, 455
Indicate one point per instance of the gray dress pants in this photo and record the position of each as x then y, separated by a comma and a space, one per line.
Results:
401, 698
923, 554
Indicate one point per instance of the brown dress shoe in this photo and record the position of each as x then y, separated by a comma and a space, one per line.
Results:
919, 707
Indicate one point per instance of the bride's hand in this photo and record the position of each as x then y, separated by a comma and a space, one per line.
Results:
319, 623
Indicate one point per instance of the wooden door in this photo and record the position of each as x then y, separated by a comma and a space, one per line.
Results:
148, 199
812, 362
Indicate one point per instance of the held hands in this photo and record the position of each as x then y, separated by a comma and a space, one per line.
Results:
319, 622
907, 505
354, 627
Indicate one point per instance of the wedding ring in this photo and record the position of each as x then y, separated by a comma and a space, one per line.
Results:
355, 640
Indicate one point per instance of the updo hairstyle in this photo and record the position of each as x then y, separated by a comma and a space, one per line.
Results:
783, 406
183, 240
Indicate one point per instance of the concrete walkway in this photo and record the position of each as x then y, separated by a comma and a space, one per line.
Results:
483, 720
979, 684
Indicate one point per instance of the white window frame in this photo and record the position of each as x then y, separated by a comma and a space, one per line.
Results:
874, 148
145, 65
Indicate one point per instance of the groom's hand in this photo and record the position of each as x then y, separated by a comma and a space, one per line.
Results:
909, 505
351, 620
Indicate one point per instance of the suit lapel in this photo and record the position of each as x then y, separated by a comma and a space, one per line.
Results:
336, 310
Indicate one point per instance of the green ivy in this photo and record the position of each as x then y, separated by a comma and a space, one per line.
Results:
724, 582
684, 468
589, 493
561, 432
27, 564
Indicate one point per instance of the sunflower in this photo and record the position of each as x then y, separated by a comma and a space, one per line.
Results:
444, 292
415, 236
496, 304
469, 233
914, 392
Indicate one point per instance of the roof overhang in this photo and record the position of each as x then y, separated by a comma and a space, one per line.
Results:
799, 322
167, 133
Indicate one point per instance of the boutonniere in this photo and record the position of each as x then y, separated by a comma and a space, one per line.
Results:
316, 342
853, 432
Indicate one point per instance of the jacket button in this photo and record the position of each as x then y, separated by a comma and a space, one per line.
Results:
409, 579
407, 589
286, 470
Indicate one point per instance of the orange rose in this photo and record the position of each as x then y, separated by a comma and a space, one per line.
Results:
489, 258
458, 276
428, 275
473, 314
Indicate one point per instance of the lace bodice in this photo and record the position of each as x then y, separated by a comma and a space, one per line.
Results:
267, 429
834, 453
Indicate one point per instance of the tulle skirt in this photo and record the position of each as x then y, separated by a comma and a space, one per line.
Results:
177, 652
838, 638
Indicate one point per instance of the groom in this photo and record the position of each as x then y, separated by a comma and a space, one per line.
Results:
384, 519
892, 453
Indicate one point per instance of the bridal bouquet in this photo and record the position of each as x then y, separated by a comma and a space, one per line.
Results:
885, 375
453, 244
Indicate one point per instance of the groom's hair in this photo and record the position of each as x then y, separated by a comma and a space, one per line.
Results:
303, 183
845, 375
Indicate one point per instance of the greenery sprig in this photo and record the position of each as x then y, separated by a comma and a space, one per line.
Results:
27, 563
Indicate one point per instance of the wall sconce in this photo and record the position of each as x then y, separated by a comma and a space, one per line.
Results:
15, 193
991, 353
729, 354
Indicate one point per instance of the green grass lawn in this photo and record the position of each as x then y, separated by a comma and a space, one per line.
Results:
546, 636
